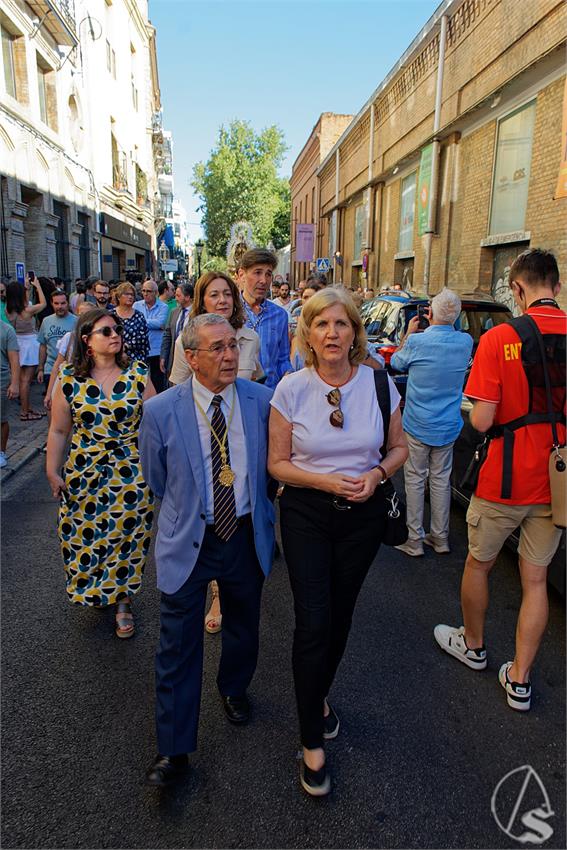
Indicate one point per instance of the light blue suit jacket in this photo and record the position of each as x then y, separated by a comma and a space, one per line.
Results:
172, 465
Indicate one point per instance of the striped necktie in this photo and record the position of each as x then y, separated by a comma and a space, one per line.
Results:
180, 322
224, 501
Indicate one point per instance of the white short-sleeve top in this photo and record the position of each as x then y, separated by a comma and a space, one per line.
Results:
318, 446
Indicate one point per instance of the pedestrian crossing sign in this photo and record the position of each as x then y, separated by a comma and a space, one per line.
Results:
323, 264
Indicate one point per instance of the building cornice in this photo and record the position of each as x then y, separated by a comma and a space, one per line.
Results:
138, 19
446, 7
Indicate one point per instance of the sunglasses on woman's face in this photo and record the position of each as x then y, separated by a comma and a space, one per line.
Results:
336, 418
108, 330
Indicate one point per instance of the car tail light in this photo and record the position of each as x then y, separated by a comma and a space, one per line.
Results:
386, 351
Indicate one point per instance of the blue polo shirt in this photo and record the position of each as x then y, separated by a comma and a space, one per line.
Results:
436, 361
271, 325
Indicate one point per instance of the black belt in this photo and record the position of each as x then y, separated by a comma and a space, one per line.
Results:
339, 503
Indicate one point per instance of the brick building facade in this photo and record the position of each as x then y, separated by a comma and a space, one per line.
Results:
497, 144
303, 184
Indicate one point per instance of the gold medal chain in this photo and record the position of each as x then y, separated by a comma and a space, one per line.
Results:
221, 444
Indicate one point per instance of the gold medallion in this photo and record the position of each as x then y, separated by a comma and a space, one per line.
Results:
226, 476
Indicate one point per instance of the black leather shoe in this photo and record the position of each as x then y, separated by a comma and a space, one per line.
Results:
237, 709
166, 769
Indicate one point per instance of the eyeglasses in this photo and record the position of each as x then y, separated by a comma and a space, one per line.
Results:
146, 291
108, 331
336, 418
219, 348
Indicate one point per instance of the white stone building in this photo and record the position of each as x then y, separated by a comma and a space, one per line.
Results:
78, 92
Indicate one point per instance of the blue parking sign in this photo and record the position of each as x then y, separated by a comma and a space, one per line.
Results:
20, 273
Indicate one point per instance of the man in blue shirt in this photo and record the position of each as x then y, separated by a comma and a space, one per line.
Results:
155, 312
436, 361
270, 322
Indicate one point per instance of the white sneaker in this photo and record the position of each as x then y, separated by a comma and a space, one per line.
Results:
452, 640
3, 461
411, 547
441, 547
518, 694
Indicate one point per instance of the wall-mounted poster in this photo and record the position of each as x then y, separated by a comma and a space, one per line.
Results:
424, 193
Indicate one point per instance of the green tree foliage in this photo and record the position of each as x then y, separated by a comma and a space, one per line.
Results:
240, 182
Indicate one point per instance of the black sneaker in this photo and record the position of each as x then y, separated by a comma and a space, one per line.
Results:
331, 725
317, 783
518, 694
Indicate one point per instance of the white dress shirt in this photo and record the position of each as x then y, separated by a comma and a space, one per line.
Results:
236, 445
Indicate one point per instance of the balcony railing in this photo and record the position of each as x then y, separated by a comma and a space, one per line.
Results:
67, 8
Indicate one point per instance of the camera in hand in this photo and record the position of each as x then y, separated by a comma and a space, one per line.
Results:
422, 320
31, 275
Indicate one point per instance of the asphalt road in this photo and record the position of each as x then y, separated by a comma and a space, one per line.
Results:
423, 741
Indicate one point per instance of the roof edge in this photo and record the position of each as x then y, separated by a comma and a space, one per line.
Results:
425, 33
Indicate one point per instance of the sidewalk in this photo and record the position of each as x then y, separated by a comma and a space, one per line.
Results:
26, 438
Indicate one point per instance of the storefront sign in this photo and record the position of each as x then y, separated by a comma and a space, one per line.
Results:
120, 231
304, 242
424, 188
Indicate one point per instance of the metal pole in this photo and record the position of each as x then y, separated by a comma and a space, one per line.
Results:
336, 215
434, 193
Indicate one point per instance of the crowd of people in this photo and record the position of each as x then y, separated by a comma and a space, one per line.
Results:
216, 398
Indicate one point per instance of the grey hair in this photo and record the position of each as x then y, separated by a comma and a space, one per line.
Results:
190, 334
445, 307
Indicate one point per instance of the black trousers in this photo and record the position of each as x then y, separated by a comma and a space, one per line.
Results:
179, 659
159, 380
328, 552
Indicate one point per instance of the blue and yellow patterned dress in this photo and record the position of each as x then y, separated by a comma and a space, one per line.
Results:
105, 527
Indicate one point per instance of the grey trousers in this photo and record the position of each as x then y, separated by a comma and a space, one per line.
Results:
435, 462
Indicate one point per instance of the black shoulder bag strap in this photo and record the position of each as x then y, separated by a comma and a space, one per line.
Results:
384, 402
527, 330
548, 395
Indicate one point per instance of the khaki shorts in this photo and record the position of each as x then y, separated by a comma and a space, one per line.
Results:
491, 523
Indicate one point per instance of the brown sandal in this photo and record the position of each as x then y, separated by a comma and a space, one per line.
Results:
213, 622
124, 624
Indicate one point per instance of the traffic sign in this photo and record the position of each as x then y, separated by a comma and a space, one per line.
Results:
323, 264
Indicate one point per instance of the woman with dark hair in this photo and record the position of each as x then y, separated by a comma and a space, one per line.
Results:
216, 292
22, 316
106, 513
136, 335
48, 286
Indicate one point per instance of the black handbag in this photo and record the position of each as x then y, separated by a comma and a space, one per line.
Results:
471, 473
396, 531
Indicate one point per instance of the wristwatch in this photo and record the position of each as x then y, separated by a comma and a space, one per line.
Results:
384, 474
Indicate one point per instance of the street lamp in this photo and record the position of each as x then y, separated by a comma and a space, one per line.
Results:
199, 245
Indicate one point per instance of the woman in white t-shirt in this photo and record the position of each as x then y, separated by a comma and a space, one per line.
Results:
326, 431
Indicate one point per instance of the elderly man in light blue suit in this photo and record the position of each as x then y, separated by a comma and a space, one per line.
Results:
203, 446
